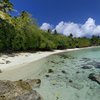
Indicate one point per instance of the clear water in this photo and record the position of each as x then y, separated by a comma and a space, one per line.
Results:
70, 81
67, 80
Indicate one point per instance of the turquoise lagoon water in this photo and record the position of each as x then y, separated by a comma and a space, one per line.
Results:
64, 76
69, 79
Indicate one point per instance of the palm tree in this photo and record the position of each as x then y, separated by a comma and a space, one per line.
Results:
6, 6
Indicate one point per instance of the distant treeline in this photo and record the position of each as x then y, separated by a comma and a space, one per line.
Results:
21, 33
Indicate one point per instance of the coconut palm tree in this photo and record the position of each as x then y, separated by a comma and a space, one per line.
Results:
6, 6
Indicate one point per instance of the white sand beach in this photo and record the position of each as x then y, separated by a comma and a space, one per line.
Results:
13, 61
16, 60
19, 65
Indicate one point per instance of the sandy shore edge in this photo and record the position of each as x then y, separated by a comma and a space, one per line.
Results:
13, 61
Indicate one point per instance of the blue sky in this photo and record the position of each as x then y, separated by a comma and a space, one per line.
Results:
54, 11
66, 16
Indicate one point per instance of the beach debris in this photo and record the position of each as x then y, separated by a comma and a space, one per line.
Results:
11, 55
26, 55
18, 90
3, 59
94, 77
50, 71
2, 63
0, 71
7, 62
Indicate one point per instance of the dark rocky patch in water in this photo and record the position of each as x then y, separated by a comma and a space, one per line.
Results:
57, 62
77, 72
86, 66
85, 59
94, 77
19, 90
70, 81
47, 76
64, 56
90, 65
50, 71
75, 85
54, 62
63, 71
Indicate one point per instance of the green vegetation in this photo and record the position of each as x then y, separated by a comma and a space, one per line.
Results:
21, 33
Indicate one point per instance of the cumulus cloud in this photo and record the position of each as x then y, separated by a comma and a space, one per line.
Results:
87, 29
46, 26
67, 28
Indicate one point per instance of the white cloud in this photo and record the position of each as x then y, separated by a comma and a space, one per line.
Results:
46, 26
67, 28
87, 29
97, 30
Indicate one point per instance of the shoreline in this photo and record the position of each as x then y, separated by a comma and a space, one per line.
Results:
11, 62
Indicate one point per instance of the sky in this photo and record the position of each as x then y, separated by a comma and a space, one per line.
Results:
66, 16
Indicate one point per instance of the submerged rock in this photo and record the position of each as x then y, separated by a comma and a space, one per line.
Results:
70, 81
97, 65
19, 90
75, 85
64, 56
47, 75
63, 71
87, 67
53, 62
34, 83
86, 59
94, 77
50, 71
77, 72
94, 63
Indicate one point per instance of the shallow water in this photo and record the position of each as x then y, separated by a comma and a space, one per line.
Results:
66, 78
69, 81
